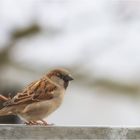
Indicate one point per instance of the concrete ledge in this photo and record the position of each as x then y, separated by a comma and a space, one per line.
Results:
20, 132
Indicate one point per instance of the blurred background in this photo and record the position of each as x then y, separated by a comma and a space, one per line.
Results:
97, 40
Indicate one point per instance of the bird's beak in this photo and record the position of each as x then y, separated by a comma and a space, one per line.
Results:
69, 78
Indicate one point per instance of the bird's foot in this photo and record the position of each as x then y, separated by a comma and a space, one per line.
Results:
45, 123
31, 123
40, 122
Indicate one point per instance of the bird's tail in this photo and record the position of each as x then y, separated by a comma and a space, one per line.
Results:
6, 111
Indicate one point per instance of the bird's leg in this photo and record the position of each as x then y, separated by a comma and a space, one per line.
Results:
31, 123
34, 122
44, 122
27, 123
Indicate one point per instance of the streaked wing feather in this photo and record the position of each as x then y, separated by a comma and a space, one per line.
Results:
36, 91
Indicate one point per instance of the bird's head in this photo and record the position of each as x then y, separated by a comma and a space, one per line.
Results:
60, 76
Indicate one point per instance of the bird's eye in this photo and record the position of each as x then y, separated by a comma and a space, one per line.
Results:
60, 75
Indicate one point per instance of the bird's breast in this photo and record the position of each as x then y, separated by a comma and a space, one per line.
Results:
40, 110
55, 103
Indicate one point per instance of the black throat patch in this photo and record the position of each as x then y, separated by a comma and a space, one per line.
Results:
66, 83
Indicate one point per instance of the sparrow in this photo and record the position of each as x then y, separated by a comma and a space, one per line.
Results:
39, 99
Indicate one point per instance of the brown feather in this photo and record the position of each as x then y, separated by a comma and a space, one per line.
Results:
39, 90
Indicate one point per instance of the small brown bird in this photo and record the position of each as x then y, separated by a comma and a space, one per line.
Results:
39, 99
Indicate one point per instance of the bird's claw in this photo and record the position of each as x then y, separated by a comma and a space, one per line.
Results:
40, 122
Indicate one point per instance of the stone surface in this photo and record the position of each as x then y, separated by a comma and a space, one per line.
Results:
20, 132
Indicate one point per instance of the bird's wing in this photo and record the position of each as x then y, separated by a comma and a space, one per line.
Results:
35, 92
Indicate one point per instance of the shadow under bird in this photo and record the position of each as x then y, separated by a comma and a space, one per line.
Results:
39, 99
